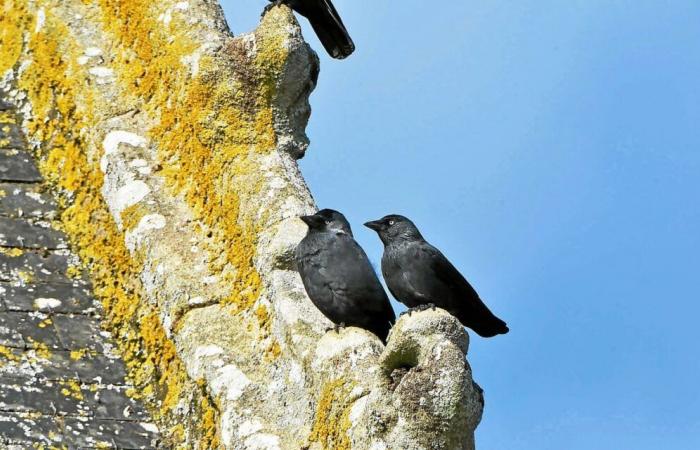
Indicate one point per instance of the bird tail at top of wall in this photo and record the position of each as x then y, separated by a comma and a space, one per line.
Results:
331, 32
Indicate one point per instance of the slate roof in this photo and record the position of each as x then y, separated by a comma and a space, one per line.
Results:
61, 383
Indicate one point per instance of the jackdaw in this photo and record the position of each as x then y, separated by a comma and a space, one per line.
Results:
338, 276
325, 21
420, 276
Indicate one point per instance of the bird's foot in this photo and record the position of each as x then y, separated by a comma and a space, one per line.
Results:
424, 307
337, 327
272, 4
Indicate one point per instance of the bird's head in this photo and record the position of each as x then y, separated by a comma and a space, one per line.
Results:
394, 227
328, 220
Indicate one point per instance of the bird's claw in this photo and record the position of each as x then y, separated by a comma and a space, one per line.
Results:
418, 308
336, 328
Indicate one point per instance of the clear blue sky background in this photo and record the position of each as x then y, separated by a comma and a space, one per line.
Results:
552, 150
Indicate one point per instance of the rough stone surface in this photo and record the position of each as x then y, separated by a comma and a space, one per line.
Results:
60, 383
16, 165
177, 178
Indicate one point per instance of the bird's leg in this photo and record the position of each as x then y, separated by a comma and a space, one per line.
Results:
424, 307
336, 327
272, 4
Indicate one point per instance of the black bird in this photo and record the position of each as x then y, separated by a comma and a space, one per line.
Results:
325, 21
420, 276
338, 276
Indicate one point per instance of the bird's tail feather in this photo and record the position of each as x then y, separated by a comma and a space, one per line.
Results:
331, 32
491, 327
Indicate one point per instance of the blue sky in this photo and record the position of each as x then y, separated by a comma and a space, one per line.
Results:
552, 151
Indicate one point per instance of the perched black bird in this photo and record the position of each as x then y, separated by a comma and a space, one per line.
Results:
420, 276
338, 276
326, 23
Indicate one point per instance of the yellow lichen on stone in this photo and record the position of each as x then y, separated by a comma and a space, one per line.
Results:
74, 272
208, 129
13, 20
132, 215
6, 117
40, 349
62, 104
25, 276
77, 355
71, 389
332, 419
11, 252
7, 354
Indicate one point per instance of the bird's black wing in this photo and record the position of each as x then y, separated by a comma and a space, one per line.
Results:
358, 288
328, 26
464, 302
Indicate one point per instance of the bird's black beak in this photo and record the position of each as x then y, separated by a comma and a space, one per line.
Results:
313, 221
375, 225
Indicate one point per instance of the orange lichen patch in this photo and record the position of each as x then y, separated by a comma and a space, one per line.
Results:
62, 104
13, 19
207, 128
132, 215
162, 357
209, 424
74, 272
332, 419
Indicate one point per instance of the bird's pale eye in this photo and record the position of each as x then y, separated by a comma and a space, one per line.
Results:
391, 222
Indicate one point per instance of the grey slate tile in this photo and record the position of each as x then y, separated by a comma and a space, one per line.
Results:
46, 397
39, 266
25, 200
22, 234
24, 432
126, 435
100, 368
11, 136
112, 403
24, 330
88, 368
48, 297
37, 403
17, 165
78, 332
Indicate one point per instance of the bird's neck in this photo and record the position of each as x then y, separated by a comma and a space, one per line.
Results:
403, 240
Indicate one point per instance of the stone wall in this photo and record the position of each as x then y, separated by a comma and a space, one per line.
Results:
171, 147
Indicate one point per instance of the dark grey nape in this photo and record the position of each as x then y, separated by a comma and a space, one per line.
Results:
419, 275
325, 21
338, 277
